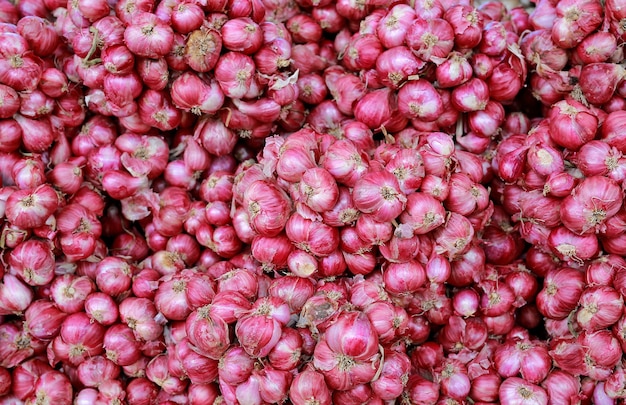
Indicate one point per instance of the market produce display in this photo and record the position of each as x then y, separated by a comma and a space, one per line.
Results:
312, 202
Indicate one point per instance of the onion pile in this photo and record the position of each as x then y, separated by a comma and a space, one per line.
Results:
312, 202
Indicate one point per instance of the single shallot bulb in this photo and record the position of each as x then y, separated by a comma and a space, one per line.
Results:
574, 21
348, 354
15, 296
148, 37
52, 387
561, 386
379, 194
33, 261
394, 375
376, 108
596, 47
309, 386
472, 95
344, 161
528, 358
453, 378
454, 237
242, 35
260, 330
600, 307
561, 292
515, 390
235, 366
268, 207
215, 137
591, 203
609, 74
44, 319
286, 354
430, 39
28, 173
418, 99
187, 17
192, 93
101, 307
453, 71
208, 334
318, 189
572, 124
31, 208
362, 51
567, 245
79, 339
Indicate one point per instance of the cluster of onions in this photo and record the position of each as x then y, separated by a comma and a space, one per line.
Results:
313, 202
560, 185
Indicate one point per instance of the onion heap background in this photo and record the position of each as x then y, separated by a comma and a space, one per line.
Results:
312, 202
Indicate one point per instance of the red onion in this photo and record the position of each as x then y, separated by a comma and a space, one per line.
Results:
121, 345
376, 108
349, 351
156, 110
600, 307
148, 37
141, 316
311, 236
307, 386
154, 74
562, 385
79, 339
268, 207
157, 372
467, 23
566, 245
567, 32
454, 71
333, 212
572, 124
472, 95
273, 56
419, 100
515, 390
482, 65
453, 379
430, 39
361, 52
561, 292
318, 189
485, 387
258, 332
215, 137
593, 214
394, 373
420, 389
378, 193
286, 354
52, 387
207, 334
69, 292
529, 358
15, 296
5, 382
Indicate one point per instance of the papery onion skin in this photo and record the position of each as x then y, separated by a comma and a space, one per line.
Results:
561, 292
593, 207
379, 194
515, 390
268, 208
572, 124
